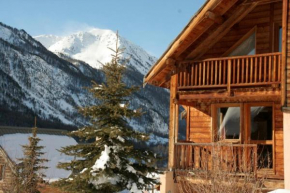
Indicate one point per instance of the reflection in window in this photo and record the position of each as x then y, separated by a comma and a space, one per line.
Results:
228, 123
247, 47
261, 123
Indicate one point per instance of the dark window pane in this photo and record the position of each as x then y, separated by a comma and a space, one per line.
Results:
247, 47
280, 39
261, 123
228, 122
265, 156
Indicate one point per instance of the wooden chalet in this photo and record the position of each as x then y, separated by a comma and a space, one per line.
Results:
230, 70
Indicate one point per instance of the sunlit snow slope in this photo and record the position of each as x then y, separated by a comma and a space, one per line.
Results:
92, 47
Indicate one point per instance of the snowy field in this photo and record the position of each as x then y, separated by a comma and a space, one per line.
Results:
11, 143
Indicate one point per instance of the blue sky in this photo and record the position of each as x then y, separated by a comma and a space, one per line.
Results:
151, 24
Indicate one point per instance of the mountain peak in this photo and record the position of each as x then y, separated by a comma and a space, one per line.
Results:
91, 46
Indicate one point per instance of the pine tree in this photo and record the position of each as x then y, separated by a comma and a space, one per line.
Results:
108, 161
29, 171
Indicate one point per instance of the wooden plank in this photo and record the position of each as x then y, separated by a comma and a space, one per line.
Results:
251, 75
265, 69
243, 70
224, 71
211, 70
274, 69
203, 77
247, 70
207, 73
195, 76
172, 118
238, 71
256, 69
220, 72
216, 73
279, 69
284, 51
260, 69
192, 74
270, 69
229, 77
234, 71
199, 75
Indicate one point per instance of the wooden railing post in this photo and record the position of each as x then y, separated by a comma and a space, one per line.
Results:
229, 77
172, 120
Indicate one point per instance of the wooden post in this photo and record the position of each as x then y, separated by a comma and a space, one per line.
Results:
172, 120
176, 122
229, 76
284, 50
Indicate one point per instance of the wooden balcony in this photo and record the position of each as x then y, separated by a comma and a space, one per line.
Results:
236, 158
230, 72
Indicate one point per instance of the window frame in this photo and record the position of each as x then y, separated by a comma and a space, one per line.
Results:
214, 108
248, 139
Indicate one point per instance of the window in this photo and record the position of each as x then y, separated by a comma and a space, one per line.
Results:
261, 123
247, 47
228, 123
260, 127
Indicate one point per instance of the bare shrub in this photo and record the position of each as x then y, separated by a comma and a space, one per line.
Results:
221, 169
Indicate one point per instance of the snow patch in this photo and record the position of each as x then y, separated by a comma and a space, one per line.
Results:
104, 158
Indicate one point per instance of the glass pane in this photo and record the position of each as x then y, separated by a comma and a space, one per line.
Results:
261, 123
280, 39
228, 123
182, 124
265, 156
247, 47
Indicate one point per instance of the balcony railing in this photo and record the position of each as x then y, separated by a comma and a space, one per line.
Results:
228, 72
236, 158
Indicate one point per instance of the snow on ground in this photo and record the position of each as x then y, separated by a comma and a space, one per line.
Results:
280, 191
11, 143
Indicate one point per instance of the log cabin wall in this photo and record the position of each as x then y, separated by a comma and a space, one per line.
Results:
199, 124
265, 18
200, 130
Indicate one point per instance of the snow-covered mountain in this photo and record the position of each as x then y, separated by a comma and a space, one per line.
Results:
36, 82
91, 46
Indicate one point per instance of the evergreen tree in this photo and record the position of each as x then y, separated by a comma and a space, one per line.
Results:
29, 171
108, 161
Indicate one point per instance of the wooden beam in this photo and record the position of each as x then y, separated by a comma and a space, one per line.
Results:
284, 51
214, 17
172, 119
222, 30
261, 1
236, 96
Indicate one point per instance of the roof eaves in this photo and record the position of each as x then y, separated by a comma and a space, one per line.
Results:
176, 39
